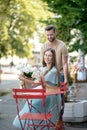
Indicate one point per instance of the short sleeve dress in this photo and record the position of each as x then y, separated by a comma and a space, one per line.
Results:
52, 79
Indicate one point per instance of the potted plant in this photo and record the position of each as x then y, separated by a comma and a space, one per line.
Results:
70, 81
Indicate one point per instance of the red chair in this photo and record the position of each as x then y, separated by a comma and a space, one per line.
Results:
30, 117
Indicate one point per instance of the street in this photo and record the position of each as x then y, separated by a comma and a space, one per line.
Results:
8, 82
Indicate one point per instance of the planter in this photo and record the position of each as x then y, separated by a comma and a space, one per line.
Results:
76, 105
75, 111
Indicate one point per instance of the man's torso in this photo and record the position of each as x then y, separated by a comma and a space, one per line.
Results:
60, 49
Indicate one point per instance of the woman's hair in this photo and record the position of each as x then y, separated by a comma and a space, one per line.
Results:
53, 59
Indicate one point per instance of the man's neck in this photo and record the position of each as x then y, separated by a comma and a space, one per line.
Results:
54, 43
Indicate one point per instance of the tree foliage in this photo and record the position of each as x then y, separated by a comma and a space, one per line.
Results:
18, 22
70, 14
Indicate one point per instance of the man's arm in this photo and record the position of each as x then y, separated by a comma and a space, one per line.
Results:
65, 68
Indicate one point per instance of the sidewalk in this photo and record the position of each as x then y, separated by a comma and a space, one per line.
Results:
8, 112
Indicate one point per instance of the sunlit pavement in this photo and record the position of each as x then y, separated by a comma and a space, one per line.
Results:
8, 106
8, 81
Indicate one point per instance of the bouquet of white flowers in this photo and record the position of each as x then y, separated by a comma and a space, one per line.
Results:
29, 72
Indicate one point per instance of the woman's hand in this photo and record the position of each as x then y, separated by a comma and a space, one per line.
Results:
21, 77
43, 83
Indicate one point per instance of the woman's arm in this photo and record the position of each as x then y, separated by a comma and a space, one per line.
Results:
50, 88
29, 81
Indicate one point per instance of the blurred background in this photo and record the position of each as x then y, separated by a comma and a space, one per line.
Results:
22, 31
22, 24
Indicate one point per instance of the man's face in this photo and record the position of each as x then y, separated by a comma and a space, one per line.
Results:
51, 35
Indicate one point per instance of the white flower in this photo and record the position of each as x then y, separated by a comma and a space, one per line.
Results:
36, 75
29, 71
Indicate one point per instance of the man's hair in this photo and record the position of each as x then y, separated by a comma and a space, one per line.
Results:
50, 27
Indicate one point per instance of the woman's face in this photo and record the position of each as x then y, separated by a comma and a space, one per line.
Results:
48, 56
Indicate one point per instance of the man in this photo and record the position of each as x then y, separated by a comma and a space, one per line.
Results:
61, 57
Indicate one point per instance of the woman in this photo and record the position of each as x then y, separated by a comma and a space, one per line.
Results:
49, 75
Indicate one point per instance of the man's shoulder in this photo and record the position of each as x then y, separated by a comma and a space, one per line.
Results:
61, 42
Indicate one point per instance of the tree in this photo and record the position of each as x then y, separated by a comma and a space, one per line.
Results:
70, 14
18, 22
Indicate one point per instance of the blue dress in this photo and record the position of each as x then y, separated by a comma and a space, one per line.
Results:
52, 78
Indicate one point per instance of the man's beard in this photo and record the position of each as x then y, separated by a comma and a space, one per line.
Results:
51, 39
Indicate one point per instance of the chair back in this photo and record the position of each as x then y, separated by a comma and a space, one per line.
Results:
29, 93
